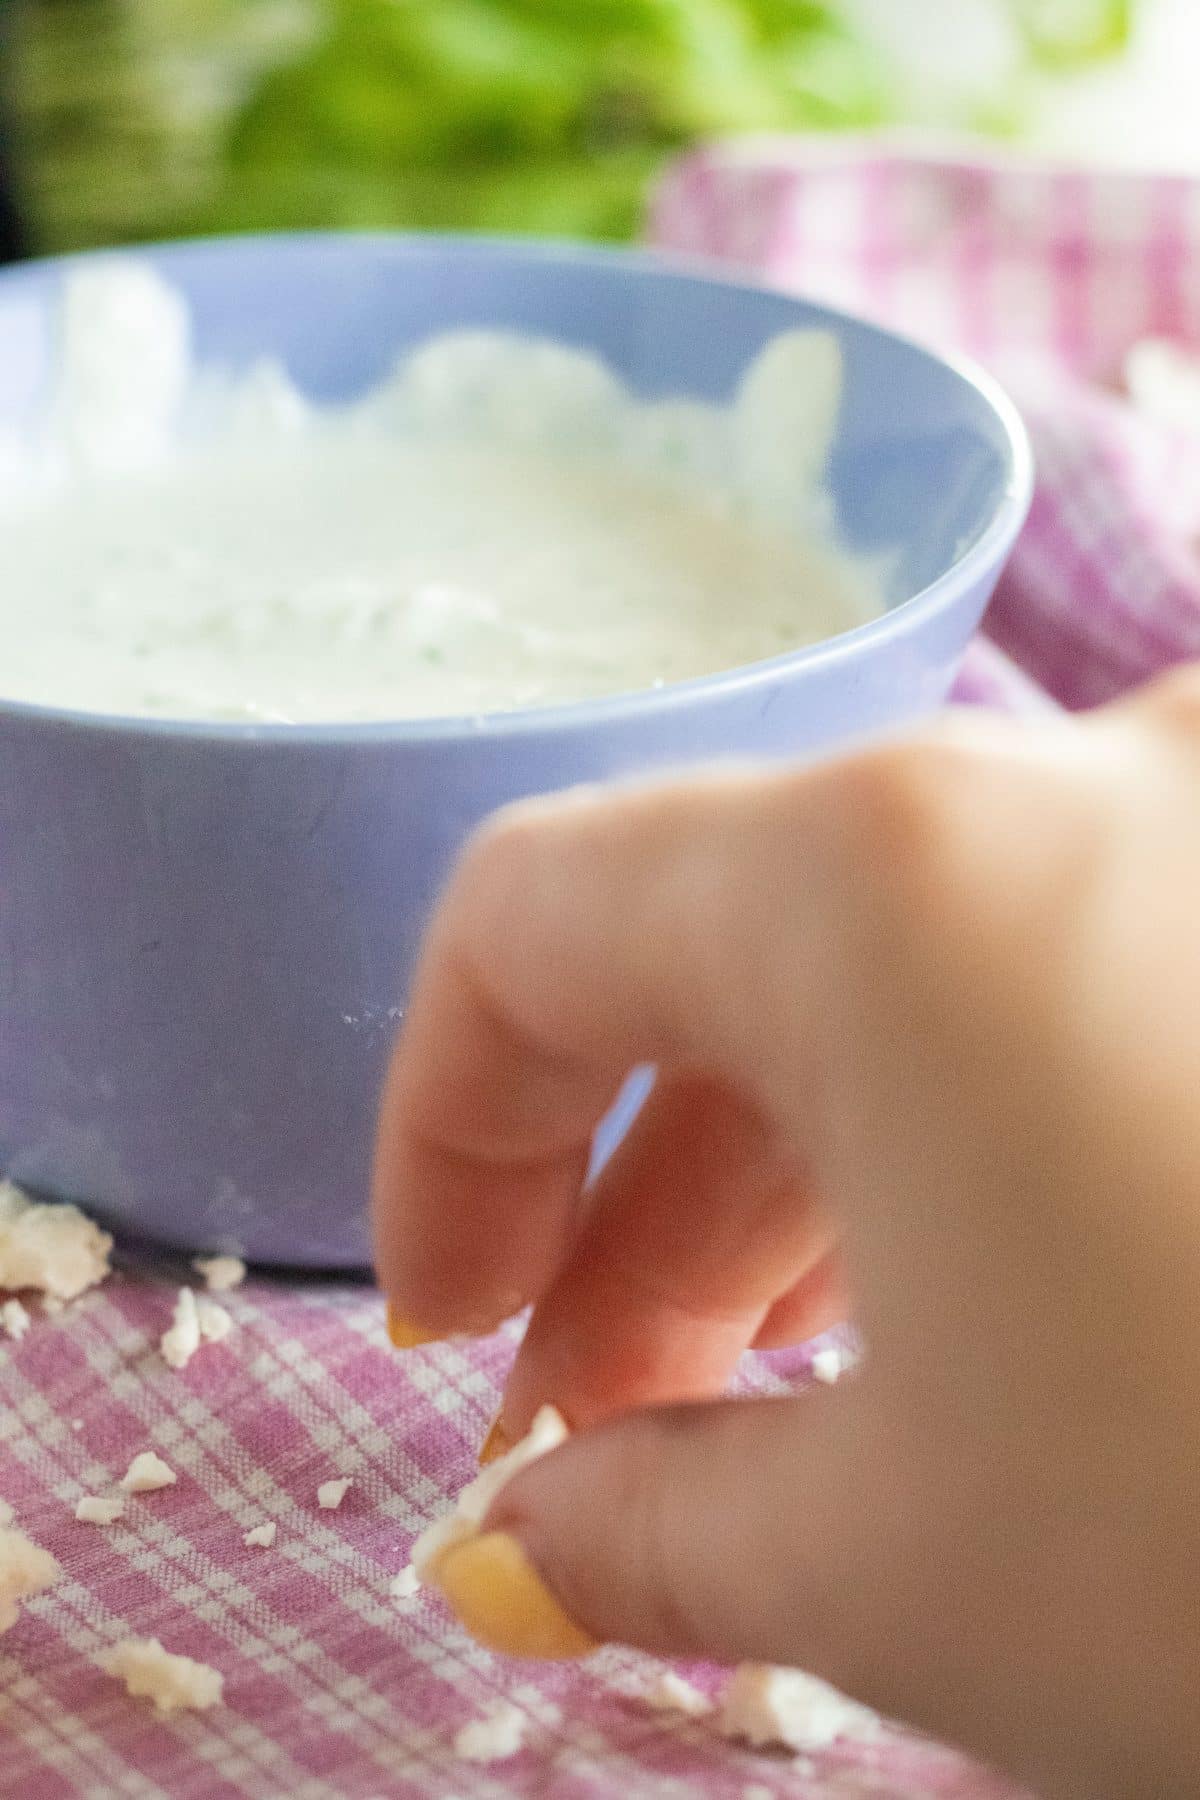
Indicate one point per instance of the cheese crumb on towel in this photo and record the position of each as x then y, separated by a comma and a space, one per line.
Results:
15, 1319
405, 1584
99, 1509
25, 1569
827, 1366
220, 1273
772, 1707
330, 1494
181, 1340
172, 1682
494, 1738
261, 1536
671, 1693
146, 1473
55, 1249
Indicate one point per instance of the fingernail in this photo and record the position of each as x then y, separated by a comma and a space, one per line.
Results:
495, 1591
497, 1443
405, 1335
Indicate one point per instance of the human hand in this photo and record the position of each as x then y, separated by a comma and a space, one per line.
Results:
929, 1026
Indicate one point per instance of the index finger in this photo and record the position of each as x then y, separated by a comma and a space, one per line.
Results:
579, 937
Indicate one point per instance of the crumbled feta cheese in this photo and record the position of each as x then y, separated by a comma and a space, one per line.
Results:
405, 1584
671, 1693
770, 1707
220, 1273
330, 1494
215, 1323
146, 1473
99, 1509
827, 1365
15, 1319
261, 1536
547, 1433
194, 1322
181, 1340
55, 1249
25, 1569
171, 1682
494, 1738
6, 1513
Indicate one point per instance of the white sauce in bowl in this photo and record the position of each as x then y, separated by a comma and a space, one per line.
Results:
498, 526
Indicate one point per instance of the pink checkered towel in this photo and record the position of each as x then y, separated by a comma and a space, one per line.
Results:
1051, 277
334, 1690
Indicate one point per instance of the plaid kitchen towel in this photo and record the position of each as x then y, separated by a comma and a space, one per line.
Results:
333, 1689
1052, 278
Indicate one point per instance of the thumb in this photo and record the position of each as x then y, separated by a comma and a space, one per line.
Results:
729, 1530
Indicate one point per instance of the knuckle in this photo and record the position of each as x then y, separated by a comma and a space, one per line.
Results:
1173, 700
902, 815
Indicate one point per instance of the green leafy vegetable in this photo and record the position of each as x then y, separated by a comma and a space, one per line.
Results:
162, 117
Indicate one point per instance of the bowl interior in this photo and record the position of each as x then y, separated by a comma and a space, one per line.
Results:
922, 462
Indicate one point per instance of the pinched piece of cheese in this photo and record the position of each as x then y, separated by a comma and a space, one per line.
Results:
146, 1473
220, 1273
173, 1683
774, 1707
547, 1432
25, 1569
55, 1249
261, 1536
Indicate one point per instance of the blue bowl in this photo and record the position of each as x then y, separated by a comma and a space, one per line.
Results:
207, 931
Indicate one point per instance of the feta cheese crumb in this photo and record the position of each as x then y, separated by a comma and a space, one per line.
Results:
494, 1738
147, 1472
330, 1494
220, 1273
772, 1707
215, 1323
152, 1673
15, 1319
671, 1693
25, 1569
547, 1433
99, 1509
55, 1249
827, 1366
262, 1536
181, 1340
405, 1584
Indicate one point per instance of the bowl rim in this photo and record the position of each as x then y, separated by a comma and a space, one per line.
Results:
990, 547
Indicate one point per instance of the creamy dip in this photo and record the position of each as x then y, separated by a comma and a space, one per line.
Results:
498, 526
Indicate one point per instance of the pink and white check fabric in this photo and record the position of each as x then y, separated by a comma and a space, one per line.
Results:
333, 1690
1049, 277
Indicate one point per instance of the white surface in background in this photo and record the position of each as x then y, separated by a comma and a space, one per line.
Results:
1139, 110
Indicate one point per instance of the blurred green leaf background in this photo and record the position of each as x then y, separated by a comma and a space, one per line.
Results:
145, 118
